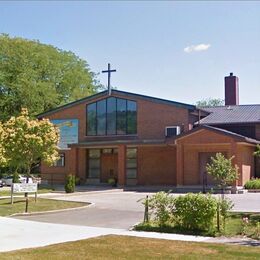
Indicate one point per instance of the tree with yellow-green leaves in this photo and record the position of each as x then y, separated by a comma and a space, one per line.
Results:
26, 141
2, 156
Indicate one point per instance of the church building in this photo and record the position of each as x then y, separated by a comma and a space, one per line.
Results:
143, 140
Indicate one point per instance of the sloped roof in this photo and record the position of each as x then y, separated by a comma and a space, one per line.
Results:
123, 93
236, 136
231, 114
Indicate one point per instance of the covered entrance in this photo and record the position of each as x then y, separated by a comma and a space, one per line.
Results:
102, 165
109, 165
106, 163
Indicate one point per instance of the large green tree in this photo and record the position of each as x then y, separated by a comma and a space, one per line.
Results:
40, 77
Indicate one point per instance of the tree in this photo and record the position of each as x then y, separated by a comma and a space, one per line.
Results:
210, 102
257, 151
222, 170
40, 77
2, 154
26, 141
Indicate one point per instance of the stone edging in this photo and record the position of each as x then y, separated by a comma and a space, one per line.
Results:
51, 211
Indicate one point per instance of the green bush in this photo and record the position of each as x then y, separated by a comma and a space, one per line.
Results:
160, 205
195, 211
70, 184
252, 184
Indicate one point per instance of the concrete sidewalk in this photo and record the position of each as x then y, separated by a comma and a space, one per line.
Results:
19, 234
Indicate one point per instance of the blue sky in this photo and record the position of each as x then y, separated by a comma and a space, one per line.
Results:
145, 42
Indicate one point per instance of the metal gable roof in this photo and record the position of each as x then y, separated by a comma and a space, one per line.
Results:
231, 114
220, 131
123, 93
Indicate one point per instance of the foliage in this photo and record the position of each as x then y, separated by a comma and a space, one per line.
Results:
257, 151
40, 77
2, 152
195, 211
222, 170
252, 184
210, 102
16, 177
70, 183
111, 181
26, 141
225, 205
160, 206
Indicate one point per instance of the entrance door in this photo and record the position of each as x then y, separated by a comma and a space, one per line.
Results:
109, 164
205, 178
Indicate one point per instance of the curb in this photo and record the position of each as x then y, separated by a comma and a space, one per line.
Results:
51, 211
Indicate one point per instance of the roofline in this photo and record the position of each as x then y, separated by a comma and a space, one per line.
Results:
114, 91
227, 123
218, 130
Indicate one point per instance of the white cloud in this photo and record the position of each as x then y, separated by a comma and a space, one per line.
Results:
199, 47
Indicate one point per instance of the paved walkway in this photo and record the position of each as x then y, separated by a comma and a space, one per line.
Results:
17, 234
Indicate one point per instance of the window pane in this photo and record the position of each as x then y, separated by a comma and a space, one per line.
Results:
91, 119
94, 164
121, 116
101, 117
93, 173
131, 163
131, 117
131, 173
94, 153
61, 161
111, 116
131, 153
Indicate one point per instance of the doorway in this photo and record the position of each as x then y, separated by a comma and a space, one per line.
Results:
109, 165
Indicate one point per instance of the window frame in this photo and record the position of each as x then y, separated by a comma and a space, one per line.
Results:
116, 118
62, 158
132, 168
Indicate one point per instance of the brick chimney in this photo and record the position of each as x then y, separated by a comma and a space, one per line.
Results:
231, 90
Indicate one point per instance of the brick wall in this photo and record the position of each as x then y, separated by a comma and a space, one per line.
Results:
152, 118
156, 165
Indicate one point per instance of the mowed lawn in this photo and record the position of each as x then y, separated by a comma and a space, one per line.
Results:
6, 208
5, 192
122, 247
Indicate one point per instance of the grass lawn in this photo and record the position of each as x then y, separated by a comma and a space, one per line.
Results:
6, 208
234, 227
40, 191
121, 247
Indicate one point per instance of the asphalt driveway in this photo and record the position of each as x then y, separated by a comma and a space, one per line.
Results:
121, 209
110, 209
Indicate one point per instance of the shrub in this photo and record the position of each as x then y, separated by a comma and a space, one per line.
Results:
160, 205
195, 211
70, 184
225, 205
253, 184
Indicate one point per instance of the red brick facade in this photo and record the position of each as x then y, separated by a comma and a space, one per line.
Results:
167, 161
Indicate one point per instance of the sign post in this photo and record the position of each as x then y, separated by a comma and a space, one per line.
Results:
23, 188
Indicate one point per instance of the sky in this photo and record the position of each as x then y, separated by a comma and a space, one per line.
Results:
178, 50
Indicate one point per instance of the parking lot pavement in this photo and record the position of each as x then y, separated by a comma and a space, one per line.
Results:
109, 209
122, 210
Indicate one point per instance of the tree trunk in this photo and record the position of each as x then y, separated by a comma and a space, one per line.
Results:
26, 194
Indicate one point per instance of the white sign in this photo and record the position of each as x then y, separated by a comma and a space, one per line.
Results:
24, 187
